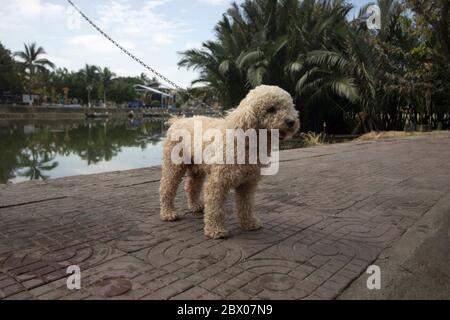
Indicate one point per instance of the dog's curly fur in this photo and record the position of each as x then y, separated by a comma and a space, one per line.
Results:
266, 107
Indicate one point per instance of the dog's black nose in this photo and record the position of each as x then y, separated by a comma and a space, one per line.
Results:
290, 123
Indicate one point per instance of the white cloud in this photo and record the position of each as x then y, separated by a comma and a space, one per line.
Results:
29, 9
16, 15
192, 45
121, 18
216, 2
96, 44
59, 61
34, 8
153, 30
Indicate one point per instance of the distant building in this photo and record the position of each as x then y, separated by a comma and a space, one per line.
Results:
166, 96
30, 99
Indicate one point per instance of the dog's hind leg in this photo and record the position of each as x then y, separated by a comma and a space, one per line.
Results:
244, 207
215, 195
193, 188
171, 178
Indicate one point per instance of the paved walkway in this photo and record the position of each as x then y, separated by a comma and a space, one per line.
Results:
330, 213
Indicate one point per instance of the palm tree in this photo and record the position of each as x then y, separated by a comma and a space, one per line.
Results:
34, 166
33, 63
106, 76
216, 62
268, 42
144, 78
333, 67
91, 75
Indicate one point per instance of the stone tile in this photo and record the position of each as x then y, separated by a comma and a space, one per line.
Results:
323, 226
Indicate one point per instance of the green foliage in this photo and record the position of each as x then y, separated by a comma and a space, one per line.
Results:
121, 91
432, 20
338, 71
155, 104
9, 78
33, 74
33, 64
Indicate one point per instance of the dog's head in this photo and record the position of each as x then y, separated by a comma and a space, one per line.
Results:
268, 107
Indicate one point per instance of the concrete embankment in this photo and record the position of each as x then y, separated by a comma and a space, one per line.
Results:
61, 112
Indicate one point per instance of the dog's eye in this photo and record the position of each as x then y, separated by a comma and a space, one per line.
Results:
271, 110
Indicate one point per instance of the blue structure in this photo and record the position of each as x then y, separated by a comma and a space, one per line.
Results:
136, 104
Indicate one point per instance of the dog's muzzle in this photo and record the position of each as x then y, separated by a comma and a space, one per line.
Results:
291, 126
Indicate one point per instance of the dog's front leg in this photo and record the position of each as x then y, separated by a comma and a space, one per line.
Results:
244, 207
215, 195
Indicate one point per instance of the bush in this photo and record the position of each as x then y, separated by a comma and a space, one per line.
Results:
155, 104
312, 139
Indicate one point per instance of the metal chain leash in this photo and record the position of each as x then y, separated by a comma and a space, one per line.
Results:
132, 56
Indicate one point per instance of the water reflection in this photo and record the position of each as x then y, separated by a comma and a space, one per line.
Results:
31, 150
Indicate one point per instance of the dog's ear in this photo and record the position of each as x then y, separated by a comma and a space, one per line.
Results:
244, 117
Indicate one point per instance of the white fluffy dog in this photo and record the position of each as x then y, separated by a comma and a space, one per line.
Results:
266, 107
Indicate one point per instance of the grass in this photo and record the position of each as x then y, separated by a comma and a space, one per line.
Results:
304, 140
311, 139
379, 135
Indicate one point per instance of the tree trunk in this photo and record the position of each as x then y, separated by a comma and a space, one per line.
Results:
30, 89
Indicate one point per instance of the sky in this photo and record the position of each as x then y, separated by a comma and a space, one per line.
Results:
154, 30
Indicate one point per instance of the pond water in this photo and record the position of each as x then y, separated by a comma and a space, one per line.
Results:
32, 149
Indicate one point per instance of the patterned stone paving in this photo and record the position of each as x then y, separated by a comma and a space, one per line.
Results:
327, 215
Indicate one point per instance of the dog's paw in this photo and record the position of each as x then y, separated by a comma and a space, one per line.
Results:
216, 233
169, 215
253, 225
197, 209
